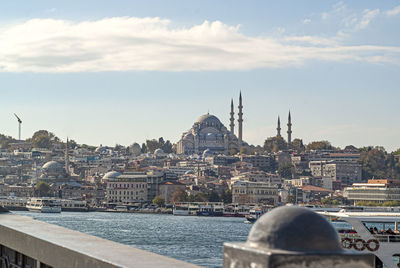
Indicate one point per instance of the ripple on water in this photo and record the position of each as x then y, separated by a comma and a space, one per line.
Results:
192, 239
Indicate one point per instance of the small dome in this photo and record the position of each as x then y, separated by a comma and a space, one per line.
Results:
100, 149
52, 165
207, 153
189, 172
111, 175
294, 229
158, 151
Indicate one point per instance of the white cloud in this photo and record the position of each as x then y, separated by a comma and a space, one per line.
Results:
306, 21
393, 12
368, 16
127, 43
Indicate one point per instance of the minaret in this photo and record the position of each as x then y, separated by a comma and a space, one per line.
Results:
67, 157
232, 125
278, 129
289, 132
240, 121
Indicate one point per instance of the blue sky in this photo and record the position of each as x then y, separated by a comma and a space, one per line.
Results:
107, 72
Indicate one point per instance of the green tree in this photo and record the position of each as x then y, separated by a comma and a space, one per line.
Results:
298, 145
167, 147
43, 188
44, 139
213, 196
243, 150
291, 199
233, 151
286, 170
158, 201
319, 145
275, 144
226, 196
179, 195
143, 148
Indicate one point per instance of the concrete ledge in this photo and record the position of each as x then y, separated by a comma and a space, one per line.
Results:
60, 247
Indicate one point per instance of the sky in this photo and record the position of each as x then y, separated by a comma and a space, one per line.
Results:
119, 72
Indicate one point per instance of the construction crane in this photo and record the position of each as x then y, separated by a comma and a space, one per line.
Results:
19, 126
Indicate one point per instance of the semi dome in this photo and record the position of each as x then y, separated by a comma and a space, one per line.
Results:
158, 151
111, 175
52, 165
208, 118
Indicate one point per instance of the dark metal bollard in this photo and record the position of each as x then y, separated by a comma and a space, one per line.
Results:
289, 237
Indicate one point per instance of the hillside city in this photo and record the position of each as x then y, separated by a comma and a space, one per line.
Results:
154, 175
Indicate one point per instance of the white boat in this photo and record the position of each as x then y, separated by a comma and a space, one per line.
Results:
74, 205
370, 232
44, 204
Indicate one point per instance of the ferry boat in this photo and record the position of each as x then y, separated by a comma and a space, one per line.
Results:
44, 204
236, 210
210, 209
13, 203
74, 205
373, 232
198, 209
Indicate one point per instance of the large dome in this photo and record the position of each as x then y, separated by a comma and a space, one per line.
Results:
208, 118
111, 175
52, 165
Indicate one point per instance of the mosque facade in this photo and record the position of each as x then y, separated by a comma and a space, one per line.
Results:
208, 133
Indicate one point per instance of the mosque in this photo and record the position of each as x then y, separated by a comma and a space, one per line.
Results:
210, 135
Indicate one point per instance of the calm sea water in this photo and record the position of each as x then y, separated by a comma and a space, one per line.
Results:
192, 239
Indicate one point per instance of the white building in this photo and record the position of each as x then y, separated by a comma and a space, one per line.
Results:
246, 192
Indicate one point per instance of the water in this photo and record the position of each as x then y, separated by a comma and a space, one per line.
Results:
192, 239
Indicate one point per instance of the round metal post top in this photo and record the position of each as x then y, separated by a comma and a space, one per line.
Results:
294, 229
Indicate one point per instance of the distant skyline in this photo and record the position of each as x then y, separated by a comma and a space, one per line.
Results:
103, 72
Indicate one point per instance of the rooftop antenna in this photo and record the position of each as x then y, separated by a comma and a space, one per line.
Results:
19, 126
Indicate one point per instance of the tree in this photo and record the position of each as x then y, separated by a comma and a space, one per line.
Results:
233, 151
286, 170
152, 145
298, 145
275, 144
319, 145
144, 148
167, 147
243, 150
43, 188
291, 199
159, 201
179, 195
226, 196
213, 196
5, 141
44, 139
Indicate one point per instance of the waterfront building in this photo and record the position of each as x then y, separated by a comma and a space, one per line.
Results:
247, 192
125, 189
378, 191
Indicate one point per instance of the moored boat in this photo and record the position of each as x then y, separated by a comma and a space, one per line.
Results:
370, 232
44, 205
